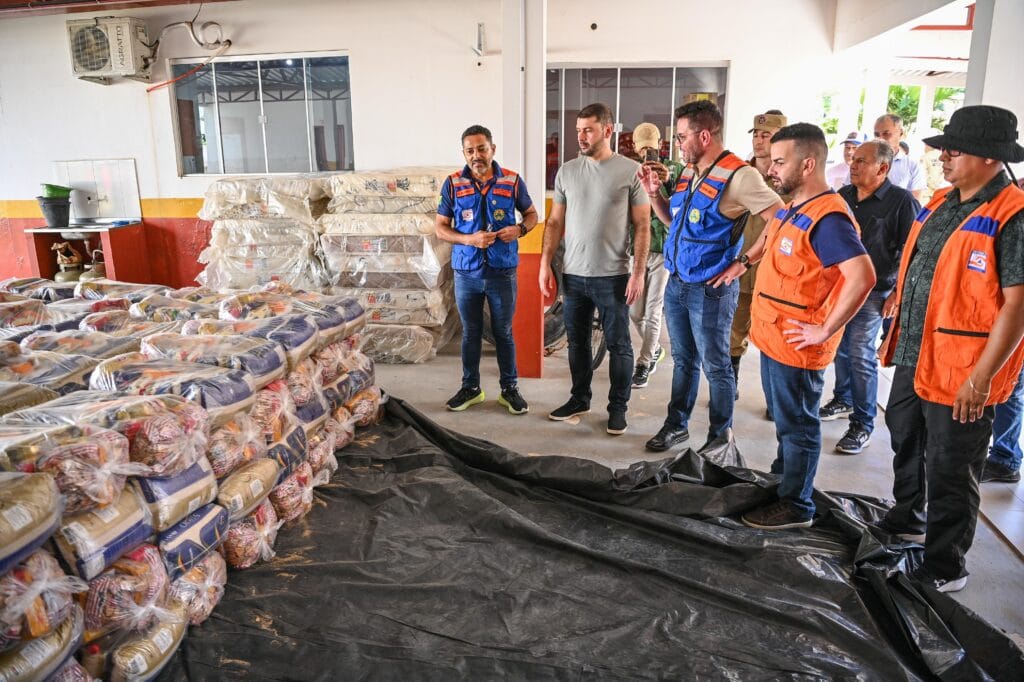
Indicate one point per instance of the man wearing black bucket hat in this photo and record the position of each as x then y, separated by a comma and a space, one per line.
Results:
956, 340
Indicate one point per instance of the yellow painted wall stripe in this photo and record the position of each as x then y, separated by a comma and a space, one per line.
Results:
20, 208
171, 208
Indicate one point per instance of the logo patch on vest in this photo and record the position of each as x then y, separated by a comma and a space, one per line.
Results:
499, 214
978, 261
694, 216
467, 214
786, 246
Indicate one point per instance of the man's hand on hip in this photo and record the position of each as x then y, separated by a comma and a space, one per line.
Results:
806, 334
635, 287
729, 275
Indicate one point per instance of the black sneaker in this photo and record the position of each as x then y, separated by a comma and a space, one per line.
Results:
776, 516
641, 375
616, 423
466, 397
999, 473
854, 440
512, 400
940, 584
903, 534
667, 437
569, 410
834, 409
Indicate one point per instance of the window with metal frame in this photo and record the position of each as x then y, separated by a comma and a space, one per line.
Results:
634, 94
264, 114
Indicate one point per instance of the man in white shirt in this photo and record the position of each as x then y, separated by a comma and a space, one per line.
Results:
905, 171
839, 174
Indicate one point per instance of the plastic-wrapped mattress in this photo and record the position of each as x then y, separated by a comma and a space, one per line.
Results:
397, 182
427, 269
378, 223
296, 196
264, 360
223, 392
424, 307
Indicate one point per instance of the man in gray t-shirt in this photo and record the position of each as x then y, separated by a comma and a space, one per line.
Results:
597, 197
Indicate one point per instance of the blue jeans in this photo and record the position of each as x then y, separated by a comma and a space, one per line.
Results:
1005, 448
795, 395
857, 361
699, 321
500, 294
581, 296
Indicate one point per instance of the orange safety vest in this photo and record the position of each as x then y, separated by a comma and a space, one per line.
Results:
963, 303
793, 285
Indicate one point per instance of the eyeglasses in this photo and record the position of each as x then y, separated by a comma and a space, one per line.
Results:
951, 153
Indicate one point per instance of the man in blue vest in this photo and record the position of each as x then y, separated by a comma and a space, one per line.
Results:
707, 213
477, 213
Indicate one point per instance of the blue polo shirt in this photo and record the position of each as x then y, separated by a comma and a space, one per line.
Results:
446, 208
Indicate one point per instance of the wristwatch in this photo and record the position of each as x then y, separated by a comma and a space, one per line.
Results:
744, 260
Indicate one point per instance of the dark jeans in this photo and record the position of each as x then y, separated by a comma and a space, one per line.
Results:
857, 361
795, 395
500, 294
699, 321
937, 463
1006, 427
581, 296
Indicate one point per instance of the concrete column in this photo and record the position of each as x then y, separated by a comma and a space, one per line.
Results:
925, 109
524, 64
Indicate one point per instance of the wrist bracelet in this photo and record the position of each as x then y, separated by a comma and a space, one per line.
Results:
970, 382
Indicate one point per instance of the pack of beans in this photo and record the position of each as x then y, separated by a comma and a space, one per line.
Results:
91, 541
170, 499
35, 598
184, 544
166, 433
89, 464
30, 511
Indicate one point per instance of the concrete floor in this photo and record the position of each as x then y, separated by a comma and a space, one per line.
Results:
996, 585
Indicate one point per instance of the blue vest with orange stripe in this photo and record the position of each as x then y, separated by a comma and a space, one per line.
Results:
700, 241
490, 210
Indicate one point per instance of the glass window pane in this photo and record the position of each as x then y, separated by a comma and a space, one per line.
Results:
701, 83
583, 87
197, 124
552, 122
240, 127
284, 111
330, 110
645, 97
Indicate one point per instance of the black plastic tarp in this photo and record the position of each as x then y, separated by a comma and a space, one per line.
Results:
433, 555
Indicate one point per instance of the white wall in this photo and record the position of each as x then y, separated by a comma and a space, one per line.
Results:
415, 85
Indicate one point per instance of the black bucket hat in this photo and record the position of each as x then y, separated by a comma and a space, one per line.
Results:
981, 130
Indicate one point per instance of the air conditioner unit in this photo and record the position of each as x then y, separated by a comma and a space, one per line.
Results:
108, 47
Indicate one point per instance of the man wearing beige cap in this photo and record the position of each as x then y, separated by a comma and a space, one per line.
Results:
646, 310
765, 125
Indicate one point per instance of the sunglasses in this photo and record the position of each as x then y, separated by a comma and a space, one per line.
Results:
951, 153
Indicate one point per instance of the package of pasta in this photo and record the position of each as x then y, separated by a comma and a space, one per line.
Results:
296, 334
30, 510
36, 287
249, 485
78, 342
251, 539
290, 451
88, 463
129, 596
238, 441
166, 433
173, 498
162, 308
263, 359
293, 497
320, 450
58, 372
15, 396
91, 541
143, 655
223, 392
120, 323
365, 406
203, 295
35, 598
42, 657
96, 289
200, 588
184, 544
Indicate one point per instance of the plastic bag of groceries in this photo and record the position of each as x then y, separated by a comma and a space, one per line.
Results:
251, 539
37, 287
297, 334
162, 308
166, 433
201, 587
56, 371
108, 288
91, 541
264, 360
42, 657
397, 344
89, 464
16, 396
35, 598
223, 392
30, 510
77, 342
130, 596
203, 295
238, 441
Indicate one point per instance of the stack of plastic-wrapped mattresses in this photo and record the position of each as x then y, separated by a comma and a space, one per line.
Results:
129, 491
379, 247
264, 229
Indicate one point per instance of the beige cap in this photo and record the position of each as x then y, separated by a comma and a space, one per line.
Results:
646, 135
769, 123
